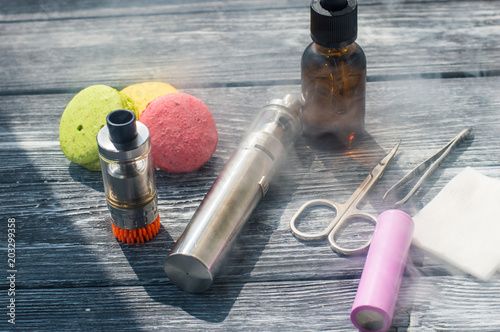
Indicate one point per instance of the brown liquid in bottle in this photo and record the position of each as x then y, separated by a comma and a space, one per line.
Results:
333, 90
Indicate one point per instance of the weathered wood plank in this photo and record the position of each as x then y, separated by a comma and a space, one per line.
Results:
256, 306
439, 303
61, 210
240, 47
47, 9
73, 275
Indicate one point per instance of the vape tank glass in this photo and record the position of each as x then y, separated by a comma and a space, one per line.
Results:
128, 176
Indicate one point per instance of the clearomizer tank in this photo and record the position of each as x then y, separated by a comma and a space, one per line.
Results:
128, 176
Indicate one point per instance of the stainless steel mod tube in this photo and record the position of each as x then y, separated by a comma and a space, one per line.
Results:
195, 259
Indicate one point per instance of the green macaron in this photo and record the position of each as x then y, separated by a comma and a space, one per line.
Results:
82, 119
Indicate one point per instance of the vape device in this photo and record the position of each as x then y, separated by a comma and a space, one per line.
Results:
196, 257
129, 178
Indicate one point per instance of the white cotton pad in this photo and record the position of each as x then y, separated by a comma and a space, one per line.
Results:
461, 225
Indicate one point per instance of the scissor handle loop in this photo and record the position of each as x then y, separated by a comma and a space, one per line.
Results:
345, 221
318, 235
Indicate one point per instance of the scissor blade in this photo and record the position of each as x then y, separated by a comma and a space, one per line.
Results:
370, 180
378, 171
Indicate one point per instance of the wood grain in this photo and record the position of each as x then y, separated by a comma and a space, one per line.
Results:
241, 46
430, 75
438, 305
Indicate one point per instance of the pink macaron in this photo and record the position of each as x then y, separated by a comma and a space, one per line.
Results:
183, 132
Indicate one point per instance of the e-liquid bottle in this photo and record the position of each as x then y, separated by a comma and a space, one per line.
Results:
334, 72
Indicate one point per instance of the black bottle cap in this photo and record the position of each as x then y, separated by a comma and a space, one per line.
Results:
122, 127
333, 5
334, 23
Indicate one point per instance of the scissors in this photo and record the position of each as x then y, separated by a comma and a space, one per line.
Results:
345, 213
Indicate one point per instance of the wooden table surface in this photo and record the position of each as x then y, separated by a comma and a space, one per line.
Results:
433, 69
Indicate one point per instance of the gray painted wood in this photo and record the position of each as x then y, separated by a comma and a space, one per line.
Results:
219, 47
430, 75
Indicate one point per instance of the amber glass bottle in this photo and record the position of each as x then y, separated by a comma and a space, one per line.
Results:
334, 72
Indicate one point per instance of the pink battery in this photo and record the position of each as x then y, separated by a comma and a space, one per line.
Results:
383, 271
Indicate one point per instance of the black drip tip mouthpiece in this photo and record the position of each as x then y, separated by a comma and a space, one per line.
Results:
333, 5
122, 127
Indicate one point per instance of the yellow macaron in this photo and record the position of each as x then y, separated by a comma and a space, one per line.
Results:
144, 93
